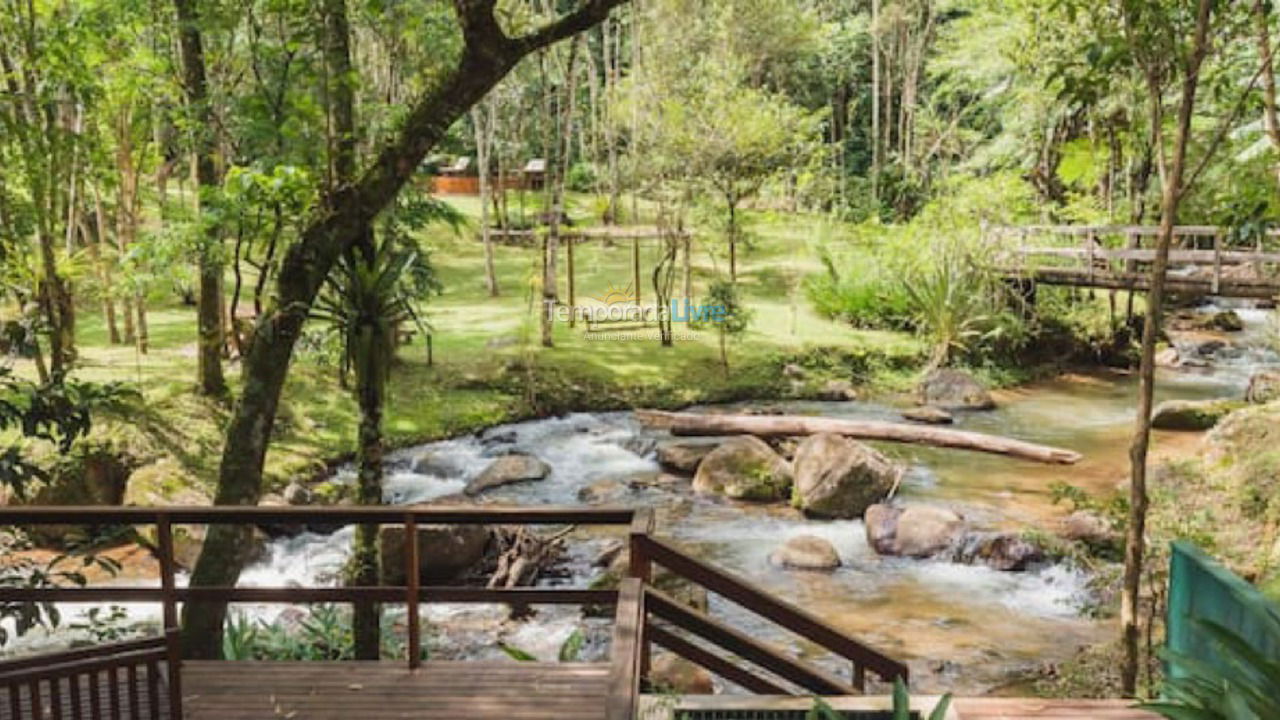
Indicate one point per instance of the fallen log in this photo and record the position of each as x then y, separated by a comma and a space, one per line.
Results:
792, 425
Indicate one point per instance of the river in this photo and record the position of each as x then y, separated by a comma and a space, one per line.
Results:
962, 628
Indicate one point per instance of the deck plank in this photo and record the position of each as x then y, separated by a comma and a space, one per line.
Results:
382, 691
1045, 709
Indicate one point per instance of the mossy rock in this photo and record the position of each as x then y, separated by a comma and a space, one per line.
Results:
1192, 415
744, 468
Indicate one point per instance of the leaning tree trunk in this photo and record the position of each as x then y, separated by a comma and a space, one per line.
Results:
1171, 196
486, 57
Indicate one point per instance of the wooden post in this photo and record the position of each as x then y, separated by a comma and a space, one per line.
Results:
635, 267
173, 653
1217, 260
638, 563
573, 295
412, 588
164, 542
1090, 247
859, 678
639, 566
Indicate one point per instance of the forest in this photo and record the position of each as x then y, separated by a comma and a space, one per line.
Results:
951, 322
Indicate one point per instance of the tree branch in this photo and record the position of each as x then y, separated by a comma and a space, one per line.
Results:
1225, 125
587, 15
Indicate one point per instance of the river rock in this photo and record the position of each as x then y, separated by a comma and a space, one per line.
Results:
683, 456
837, 391
928, 415
639, 445
744, 468
1264, 387
793, 370
806, 552
1002, 551
1227, 321
445, 552
670, 673
295, 493
603, 491
954, 389
438, 464
507, 470
1191, 414
912, 531
1090, 529
837, 477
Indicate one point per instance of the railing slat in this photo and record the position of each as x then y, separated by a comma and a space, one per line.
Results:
785, 614
712, 662
809, 678
412, 588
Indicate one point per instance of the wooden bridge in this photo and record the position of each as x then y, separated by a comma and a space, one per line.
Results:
1118, 257
148, 679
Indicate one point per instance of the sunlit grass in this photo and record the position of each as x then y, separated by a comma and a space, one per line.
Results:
478, 340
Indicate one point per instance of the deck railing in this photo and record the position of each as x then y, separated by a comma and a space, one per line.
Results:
637, 604
122, 681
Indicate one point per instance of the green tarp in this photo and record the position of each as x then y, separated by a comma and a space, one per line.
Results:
1200, 588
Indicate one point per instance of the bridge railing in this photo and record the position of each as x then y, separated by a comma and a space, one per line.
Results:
1113, 255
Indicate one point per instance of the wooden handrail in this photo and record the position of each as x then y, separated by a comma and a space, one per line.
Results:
42, 659
259, 515
810, 678
625, 676
783, 613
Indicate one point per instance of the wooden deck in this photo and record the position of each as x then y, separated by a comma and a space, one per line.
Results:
385, 690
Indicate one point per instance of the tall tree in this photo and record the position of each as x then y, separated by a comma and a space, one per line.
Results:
1163, 51
487, 54
204, 145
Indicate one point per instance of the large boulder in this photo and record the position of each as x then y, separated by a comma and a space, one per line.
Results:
683, 456
508, 470
806, 552
1191, 414
837, 477
445, 552
744, 468
670, 673
1264, 387
912, 531
954, 390
166, 484
1002, 551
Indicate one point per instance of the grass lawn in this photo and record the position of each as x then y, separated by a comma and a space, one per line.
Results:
488, 363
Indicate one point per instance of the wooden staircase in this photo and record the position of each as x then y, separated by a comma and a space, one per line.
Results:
647, 616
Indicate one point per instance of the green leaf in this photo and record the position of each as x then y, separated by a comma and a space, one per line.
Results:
571, 650
516, 653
